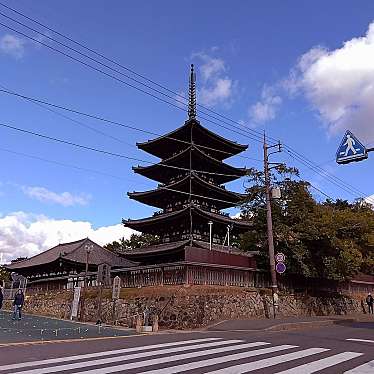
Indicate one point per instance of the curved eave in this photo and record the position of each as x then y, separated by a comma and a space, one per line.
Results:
154, 197
231, 172
217, 218
152, 145
154, 219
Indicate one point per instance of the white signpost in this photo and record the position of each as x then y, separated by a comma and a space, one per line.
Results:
116, 287
74, 307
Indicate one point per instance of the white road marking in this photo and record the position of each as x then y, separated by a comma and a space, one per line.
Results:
110, 360
101, 354
162, 360
256, 365
218, 360
360, 340
367, 368
324, 363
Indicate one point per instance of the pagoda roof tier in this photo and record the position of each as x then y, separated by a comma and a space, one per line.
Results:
159, 222
178, 165
172, 246
177, 140
161, 196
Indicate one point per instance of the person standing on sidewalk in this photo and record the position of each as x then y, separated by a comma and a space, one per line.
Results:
19, 299
370, 302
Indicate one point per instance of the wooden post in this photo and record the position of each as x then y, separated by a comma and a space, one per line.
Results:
138, 326
155, 324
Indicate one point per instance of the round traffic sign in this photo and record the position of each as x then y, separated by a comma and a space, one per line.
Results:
280, 257
280, 267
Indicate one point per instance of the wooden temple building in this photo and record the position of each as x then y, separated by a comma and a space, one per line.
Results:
64, 266
190, 196
196, 239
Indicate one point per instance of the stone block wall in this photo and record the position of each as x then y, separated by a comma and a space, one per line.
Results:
182, 307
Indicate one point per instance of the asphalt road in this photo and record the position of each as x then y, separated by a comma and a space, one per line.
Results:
36, 328
325, 350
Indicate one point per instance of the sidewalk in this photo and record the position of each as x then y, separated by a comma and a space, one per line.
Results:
288, 323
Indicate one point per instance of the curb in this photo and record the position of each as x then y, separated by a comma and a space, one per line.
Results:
308, 324
289, 325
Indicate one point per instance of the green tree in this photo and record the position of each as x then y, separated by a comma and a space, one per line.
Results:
331, 240
135, 241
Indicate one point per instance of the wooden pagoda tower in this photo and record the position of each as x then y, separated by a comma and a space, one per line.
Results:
190, 196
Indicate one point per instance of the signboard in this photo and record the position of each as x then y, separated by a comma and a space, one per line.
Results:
280, 257
350, 149
116, 287
280, 267
103, 274
74, 307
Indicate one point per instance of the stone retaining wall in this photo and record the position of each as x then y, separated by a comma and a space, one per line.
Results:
190, 307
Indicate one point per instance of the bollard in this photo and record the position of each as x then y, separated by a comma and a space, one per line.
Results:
138, 326
155, 323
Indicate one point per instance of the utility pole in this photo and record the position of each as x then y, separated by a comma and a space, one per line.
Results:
274, 285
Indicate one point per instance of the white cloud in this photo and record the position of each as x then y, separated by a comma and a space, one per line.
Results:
63, 198
217, 87
370, 200
23, 234
265, 109
339, 84
12, 46
219, 91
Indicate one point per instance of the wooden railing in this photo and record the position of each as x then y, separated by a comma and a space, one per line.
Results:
191, 273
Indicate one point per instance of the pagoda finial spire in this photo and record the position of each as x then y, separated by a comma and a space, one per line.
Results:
192, 95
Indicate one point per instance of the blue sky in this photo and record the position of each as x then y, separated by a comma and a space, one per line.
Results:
282, 66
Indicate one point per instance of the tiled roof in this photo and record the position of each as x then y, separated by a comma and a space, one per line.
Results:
213, 216
221, 248
74, 252
163, 247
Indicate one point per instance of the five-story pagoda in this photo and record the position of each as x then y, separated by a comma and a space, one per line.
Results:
190, 196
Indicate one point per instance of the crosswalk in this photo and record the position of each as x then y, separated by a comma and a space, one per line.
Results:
205, 355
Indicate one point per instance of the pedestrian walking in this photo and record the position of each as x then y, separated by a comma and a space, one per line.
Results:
19, 299
370, 302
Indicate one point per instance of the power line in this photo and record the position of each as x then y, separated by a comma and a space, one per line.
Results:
59, 163
65, 165
99, 62
320, 191
331, 180
329, 176
109, 175
255, 132
108, 121
76, 121
123, 82
299, 158
109, 153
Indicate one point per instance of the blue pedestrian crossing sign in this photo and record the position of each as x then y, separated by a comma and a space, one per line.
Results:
350, 149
